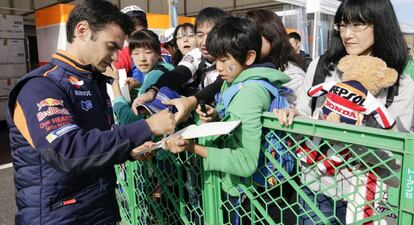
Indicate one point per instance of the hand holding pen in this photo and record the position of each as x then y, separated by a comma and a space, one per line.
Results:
206, 112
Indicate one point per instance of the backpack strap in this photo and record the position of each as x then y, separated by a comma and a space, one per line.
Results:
392, 92
234, 89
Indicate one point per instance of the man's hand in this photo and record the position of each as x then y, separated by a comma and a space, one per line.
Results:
141, 99
136, 152
184, 107
161, 123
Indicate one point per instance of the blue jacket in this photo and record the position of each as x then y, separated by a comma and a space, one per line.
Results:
64, 145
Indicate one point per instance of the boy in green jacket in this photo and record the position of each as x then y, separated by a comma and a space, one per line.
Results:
236, 45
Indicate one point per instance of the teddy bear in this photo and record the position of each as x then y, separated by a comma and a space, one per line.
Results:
350, 101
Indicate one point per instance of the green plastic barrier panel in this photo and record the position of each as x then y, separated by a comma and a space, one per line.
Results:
314, 172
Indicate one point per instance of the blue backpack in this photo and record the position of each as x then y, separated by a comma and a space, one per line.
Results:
274, 142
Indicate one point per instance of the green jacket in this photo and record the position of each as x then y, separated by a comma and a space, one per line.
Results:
237, 155
123, 112
152, 77
122, 109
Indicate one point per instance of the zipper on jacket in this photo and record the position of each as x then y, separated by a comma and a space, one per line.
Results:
64, 203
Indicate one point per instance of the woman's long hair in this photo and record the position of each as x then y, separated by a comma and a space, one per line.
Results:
389, 43
271, 27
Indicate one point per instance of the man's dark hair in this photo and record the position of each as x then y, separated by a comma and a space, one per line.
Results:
144, 39
234, 36
295, 36
98, 14
138, 18
209, 15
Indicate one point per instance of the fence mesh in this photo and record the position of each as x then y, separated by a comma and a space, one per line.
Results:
321, 173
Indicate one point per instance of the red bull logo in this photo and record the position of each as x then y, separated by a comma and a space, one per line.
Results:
48, 102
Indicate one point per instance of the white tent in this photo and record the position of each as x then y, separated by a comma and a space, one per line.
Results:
407, 28
324, 6
320, 28
329, 7
403, 9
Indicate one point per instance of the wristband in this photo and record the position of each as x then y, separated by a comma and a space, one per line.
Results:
154, 89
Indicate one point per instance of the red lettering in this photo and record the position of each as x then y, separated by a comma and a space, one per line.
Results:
329, 104
339, 110
346, 113
44, 124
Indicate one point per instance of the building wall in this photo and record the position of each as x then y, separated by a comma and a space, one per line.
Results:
185, 7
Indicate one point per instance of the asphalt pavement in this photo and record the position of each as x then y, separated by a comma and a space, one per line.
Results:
8, 205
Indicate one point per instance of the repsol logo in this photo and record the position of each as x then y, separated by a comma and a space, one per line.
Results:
346, 94
82, 93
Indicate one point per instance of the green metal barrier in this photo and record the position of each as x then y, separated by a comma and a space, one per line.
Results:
373, 184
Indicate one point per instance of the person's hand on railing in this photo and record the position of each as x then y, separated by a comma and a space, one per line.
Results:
285, 116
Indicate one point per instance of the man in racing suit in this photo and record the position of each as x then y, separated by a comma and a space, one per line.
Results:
64, 144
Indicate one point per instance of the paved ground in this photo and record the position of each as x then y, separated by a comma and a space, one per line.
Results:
7, 201
7, 206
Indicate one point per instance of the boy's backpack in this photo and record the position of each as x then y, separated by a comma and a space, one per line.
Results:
274, 142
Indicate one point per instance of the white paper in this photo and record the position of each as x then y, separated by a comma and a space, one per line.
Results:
202, 130
209, 129
122, 83
159, 144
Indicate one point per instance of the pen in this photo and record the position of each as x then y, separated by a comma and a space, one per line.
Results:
203, 107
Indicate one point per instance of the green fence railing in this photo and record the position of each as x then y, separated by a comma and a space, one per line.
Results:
363, 175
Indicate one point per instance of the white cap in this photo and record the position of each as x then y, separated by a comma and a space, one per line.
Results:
167, 35
132, 8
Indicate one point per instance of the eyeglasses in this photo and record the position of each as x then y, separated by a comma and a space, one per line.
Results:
182, 35
354, 27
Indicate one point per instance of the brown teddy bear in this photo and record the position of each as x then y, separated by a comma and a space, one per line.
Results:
350, 101
352, 98
371, 72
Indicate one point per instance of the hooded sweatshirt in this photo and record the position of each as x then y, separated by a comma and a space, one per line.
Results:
237, 155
